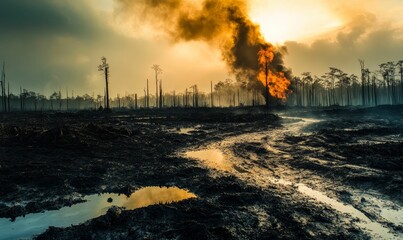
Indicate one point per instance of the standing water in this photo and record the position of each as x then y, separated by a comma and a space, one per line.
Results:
95, 206
213, 158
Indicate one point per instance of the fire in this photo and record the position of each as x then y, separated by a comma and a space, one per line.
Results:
278, 84
224, 24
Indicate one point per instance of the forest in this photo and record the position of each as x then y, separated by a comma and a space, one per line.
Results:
334, 88
337, 88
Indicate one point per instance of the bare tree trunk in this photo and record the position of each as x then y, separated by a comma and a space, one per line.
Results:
362, 81
370, 91
174, 99
211, 94
401, 81
160, 97
8, 97
145, 99
3, 88
60, 100
67, 100
219, 99
21, 100
238, 97
186, 98
107, 87
147, 105
156, 89
374, 91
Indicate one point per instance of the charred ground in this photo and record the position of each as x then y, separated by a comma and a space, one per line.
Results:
51, 160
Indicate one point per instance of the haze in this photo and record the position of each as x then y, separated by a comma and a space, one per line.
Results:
49, 45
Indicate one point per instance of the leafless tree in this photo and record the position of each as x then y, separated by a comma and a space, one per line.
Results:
104, 67
158, 70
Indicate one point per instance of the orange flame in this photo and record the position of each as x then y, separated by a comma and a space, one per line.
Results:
278, 84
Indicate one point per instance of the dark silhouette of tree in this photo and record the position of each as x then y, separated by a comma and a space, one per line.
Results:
147, 105
363, 73
307, 80
52, 98
161, 100
352, 88
3, 88
374, 89
387, 71
67, 99
60, 100
316, 85
399, 64
41, 99
158, 70
104, 67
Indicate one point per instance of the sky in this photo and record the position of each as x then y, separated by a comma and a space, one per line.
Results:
49, 45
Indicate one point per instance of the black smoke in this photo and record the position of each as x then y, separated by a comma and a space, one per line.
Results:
224, 24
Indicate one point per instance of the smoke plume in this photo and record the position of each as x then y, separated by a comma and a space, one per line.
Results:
224, 24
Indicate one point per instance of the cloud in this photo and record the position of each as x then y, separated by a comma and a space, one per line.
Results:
363, 36
39, 17
50, 45
42, 40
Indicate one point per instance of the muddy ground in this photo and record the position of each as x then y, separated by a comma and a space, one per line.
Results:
352, 155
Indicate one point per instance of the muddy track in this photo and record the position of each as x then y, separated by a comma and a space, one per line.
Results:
265, 159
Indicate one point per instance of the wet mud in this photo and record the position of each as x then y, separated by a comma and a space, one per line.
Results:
280, 175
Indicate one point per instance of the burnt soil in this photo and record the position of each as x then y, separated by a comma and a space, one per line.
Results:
360, 147
50, 160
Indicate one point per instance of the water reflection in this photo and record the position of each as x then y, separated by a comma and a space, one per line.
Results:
393, 215
95, 206
155, 195
186, 130
376, 229
213, 158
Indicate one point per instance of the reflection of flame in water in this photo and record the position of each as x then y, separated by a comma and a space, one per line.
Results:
213, 158
155, 195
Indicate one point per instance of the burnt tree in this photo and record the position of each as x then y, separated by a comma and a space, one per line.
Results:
104, 67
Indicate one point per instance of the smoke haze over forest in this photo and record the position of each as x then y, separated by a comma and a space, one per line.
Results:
48, 44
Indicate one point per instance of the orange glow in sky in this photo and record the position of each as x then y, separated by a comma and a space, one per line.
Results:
282, 21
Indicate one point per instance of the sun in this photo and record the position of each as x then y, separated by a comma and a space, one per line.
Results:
277, 27
282, 21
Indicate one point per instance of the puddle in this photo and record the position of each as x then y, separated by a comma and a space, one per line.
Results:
155, 195
385, 208
376, 229
213, 158
95, 206
392, 215
186, 130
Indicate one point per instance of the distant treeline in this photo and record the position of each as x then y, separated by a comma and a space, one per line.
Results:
383, 86
372, 88
225, 94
